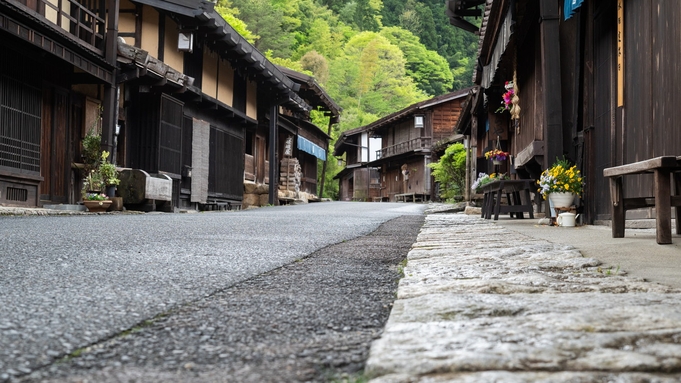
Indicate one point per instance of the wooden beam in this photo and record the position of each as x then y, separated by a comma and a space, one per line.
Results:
551, 76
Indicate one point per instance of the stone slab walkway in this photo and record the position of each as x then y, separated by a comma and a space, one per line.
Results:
481, 303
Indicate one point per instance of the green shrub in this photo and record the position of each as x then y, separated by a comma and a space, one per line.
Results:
450, 171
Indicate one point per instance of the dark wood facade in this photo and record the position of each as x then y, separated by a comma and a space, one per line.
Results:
55, 71
196, 115
597, 88
180, 111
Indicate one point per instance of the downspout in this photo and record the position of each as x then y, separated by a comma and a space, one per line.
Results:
110, 101
274, 122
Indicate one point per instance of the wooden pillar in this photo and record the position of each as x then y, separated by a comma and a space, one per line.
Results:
550, 72
110, 101
332, 120
273, 198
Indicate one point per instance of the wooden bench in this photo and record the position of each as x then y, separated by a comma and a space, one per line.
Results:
494, 191
662, 168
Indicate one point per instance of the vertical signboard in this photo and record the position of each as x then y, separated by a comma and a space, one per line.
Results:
620, 53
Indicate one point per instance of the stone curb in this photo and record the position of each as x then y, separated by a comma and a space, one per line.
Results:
480, 303
24, 211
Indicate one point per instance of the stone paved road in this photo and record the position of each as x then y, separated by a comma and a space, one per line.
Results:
69, 282
481, 303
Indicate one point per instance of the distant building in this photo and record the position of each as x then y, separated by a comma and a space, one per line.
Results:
389, 158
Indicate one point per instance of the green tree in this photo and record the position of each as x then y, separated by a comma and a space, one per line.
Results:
267, 22
427, 32
317, 64
364, 15
392, 9
334, 5
225, 9
450, 171
371, 75
429, 70
368, 14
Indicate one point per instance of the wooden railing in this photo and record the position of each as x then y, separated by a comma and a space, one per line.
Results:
404, 147
83, 19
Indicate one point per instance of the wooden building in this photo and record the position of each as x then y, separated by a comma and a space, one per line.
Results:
300, 144
57, 72
173, 89
401, 145
309, 143
194, 93
596, 82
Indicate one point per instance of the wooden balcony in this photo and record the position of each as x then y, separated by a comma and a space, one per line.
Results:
84, 20
420, 143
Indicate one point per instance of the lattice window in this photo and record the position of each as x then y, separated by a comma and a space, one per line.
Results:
16, 194
226, 167
171, 136
20, 114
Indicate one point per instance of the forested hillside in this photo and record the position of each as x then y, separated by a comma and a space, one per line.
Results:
373, 57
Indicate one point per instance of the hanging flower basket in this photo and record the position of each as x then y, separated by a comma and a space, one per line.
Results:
497, 156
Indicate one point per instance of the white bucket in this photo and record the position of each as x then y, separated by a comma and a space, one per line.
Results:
567, 219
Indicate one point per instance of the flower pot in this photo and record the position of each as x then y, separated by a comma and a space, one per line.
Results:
116, 204
496, 162
97, 206
562, 200
110, 191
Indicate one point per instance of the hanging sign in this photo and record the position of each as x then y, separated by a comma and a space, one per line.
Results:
288, 146
570, 7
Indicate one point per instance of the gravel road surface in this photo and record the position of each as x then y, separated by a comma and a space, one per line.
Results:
162, 297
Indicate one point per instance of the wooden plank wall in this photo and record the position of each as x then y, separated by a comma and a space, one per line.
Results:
603, 99
638, 133
46, 143
403, 132
530, 126
666, 82
444, 118
393, 182
652, 59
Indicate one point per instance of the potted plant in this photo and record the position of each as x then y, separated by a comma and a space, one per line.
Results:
101, 175
93, 183
96, 202
109, 174
560, 183
497, 156
91, 149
